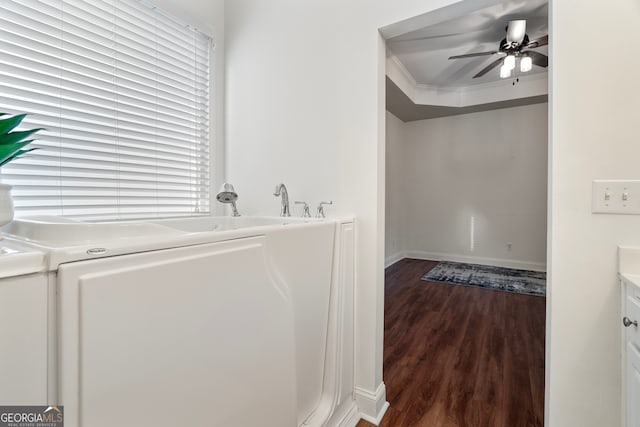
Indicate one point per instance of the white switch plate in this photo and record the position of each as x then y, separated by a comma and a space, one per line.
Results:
616, 196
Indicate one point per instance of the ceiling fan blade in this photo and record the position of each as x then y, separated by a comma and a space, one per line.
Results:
471, 55
516, 31
538, 58
542, 41
488, 68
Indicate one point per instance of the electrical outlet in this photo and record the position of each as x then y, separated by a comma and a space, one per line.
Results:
616, 196
509, 246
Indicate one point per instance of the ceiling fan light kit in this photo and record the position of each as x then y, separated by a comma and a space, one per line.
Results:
505, 72
515, 45
526, 64
510, 62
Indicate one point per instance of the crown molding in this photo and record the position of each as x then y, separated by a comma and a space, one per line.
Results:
395, 61
464, 96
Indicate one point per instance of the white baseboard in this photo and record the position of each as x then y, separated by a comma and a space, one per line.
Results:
497, 262
350, 418
393, 258
372, 405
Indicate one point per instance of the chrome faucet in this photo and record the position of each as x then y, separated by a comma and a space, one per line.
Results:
284, 204
320, 211
305, 209
227, 194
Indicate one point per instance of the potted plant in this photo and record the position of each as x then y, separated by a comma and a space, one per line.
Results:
12, 146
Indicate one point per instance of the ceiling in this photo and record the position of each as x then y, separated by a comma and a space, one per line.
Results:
401, 106
422, 56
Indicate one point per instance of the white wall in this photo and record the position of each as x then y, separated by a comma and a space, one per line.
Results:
474, 183
396, 191
594, 134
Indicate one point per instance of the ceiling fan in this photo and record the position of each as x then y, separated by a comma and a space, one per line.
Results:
515, 45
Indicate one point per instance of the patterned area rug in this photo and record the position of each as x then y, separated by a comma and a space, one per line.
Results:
485, 276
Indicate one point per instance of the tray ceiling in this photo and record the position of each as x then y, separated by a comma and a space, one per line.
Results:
423, 83
424, 52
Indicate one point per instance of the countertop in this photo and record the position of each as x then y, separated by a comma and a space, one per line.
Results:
17, 259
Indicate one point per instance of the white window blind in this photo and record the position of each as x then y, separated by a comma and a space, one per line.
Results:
123, 92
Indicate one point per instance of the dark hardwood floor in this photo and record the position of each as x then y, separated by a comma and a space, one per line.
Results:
458, 356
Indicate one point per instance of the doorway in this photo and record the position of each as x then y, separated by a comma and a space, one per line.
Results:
466, 171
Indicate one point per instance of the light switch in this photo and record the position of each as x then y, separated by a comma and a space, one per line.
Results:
616, 196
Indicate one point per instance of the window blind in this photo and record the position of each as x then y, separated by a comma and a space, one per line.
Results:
122, 90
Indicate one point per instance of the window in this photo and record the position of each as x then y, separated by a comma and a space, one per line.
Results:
123, 92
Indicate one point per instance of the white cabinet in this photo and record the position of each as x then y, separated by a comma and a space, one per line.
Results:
23, 340
631, 351
633, 386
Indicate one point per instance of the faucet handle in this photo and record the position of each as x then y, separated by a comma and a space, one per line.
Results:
305, 209
320, 211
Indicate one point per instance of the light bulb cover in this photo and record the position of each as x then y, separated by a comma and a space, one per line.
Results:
505, 72
526, 64
516, 31
510, 62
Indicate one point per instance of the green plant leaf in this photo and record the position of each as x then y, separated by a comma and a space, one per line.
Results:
23, 152
8, 160
10, 123
20, 153
8, 152
12, 142
16, 137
